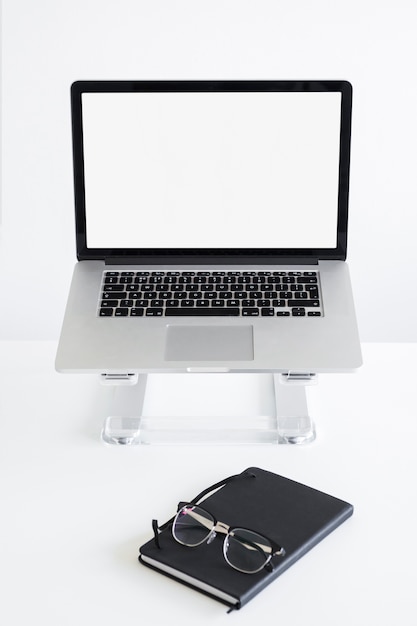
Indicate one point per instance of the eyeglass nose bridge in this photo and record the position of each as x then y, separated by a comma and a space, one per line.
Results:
220, 527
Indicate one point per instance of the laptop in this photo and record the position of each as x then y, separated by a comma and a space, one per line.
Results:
211, 228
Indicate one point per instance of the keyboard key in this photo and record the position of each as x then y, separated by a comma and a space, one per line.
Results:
202, 312
121, 312
314, 314
113, 288
136, 312
267, 312
304, 303
298, 312
109, 303
154, 312
250, 312
283, 313
106, 312
307, 280
114, 294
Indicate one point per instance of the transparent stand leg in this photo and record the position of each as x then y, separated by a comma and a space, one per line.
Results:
294, 423
138, 415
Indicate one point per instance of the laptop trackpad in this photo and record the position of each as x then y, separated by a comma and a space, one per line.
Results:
209, 343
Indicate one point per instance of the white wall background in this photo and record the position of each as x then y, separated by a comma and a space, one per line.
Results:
48, 44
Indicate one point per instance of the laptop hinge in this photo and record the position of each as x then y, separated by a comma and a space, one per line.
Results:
207, 260
294, 377
118, 378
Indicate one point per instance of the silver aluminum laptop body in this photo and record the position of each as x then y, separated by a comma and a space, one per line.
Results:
229, 177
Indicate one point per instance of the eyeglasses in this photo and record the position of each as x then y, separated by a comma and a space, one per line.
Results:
245, 550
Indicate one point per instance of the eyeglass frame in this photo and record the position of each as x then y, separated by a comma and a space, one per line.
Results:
221, 527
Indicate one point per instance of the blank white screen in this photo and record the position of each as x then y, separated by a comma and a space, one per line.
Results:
211, 170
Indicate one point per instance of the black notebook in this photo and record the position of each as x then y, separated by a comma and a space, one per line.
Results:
292, 515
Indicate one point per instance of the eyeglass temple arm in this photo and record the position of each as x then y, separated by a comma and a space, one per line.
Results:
255, 545
158, 529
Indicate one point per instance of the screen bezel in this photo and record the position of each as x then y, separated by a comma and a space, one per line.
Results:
210, 256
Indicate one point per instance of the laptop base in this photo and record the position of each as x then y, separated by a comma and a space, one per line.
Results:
255, 409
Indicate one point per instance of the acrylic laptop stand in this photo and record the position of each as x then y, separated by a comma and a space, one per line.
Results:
209, 408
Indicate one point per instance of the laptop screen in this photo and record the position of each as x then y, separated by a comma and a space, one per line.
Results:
218, 170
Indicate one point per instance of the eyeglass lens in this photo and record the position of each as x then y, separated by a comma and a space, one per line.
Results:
246, 551
192, 526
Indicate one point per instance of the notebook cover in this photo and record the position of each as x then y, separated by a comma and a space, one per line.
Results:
294, 515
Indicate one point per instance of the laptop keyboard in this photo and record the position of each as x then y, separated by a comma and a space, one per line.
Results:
203, 294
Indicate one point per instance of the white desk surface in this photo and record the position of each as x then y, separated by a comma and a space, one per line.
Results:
75, 511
